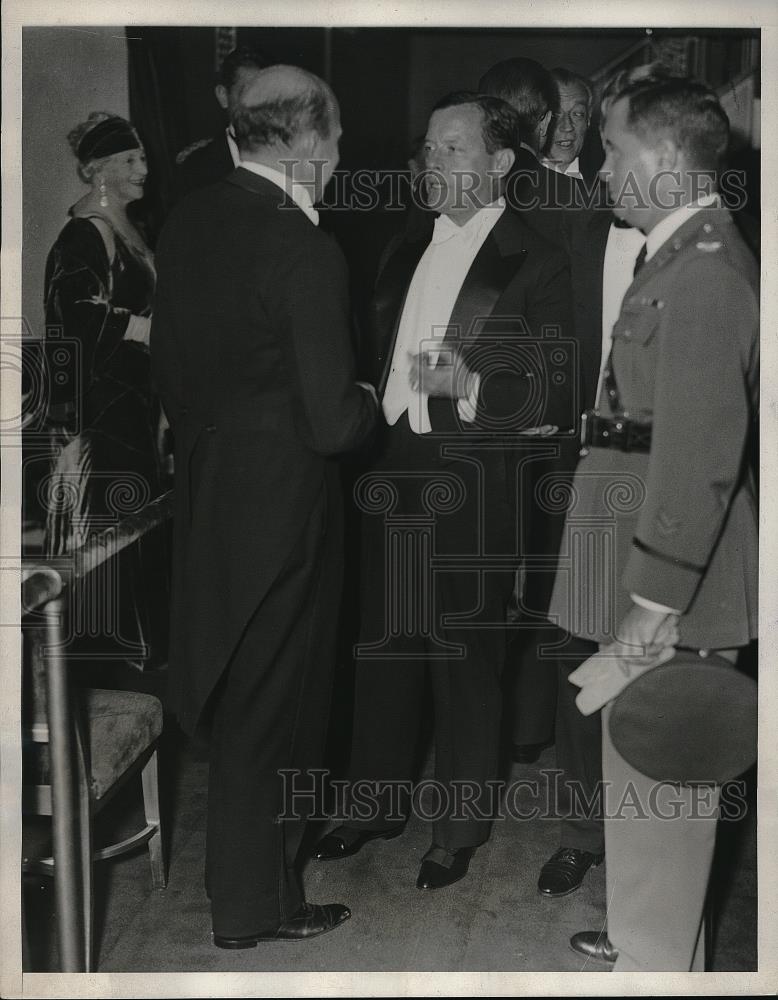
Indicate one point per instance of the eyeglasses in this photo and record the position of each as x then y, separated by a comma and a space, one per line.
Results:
576, 115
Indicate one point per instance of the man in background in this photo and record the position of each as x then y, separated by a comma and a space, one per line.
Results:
251, 351
208, 160
571, 129
602, 261
547, 199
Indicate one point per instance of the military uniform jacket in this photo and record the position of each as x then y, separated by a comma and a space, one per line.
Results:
678, 525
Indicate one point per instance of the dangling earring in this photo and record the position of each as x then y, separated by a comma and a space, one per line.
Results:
103, 195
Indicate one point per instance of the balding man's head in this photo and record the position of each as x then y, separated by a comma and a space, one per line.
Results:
278, 105
288, 119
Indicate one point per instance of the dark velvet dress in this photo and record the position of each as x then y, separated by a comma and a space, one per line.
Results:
103, 420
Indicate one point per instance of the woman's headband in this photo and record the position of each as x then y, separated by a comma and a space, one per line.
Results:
112, 135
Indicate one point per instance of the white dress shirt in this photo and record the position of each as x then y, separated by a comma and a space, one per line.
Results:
296, 192
432, 293
572, 169
232, 146
621, 252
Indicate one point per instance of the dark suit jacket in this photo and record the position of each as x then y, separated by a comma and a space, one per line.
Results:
545, 523
552, 203
513, 308
204, 165
251, 353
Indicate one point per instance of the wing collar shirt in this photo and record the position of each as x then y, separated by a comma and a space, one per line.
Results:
296, 192
232, 146
572, 169
432, 293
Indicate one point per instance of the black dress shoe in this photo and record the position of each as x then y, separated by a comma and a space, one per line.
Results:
564, 872
527, 753
594, 944
344, 841
440, 867
311, 919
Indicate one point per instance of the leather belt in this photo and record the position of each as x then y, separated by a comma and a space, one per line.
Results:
613, 432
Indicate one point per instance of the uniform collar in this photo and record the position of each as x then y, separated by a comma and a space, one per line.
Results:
663, 230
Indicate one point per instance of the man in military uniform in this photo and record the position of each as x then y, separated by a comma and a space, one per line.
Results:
664, 485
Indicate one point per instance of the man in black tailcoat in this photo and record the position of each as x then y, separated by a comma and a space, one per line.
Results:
251, 352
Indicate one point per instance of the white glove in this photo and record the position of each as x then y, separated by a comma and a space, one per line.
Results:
607, 673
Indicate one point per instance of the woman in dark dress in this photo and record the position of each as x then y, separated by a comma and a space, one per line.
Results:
103, 417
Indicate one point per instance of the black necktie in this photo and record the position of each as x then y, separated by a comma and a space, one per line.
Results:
640, 260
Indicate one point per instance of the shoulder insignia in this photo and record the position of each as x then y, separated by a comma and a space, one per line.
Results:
709, 246
188, 150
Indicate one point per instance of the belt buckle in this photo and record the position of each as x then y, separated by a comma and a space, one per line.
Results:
620, 432
584, 451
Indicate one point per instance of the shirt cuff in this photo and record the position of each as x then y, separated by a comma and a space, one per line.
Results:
643, 602
138, 329
467, 407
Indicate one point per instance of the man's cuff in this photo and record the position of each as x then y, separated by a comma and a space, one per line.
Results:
467, 408
138, 329
643, 602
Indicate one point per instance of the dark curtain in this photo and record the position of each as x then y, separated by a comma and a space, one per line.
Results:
171, 78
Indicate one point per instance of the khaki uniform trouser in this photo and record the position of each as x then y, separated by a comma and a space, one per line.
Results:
657, 869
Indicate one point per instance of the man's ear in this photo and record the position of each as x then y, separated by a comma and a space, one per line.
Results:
306, 143
543, 126
667, 154
503, 161
221, 95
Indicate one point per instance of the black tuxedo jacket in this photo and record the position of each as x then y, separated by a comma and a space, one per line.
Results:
513, 310
251, 353
553, 204
205, 165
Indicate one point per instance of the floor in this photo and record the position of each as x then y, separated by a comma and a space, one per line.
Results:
493, 920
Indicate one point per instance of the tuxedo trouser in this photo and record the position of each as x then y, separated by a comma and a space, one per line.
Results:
578, 756
464, 661
534, 687
657, 868
271, 714
533, 675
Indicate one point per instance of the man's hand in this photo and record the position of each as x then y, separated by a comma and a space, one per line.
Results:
441, 373
644, 634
